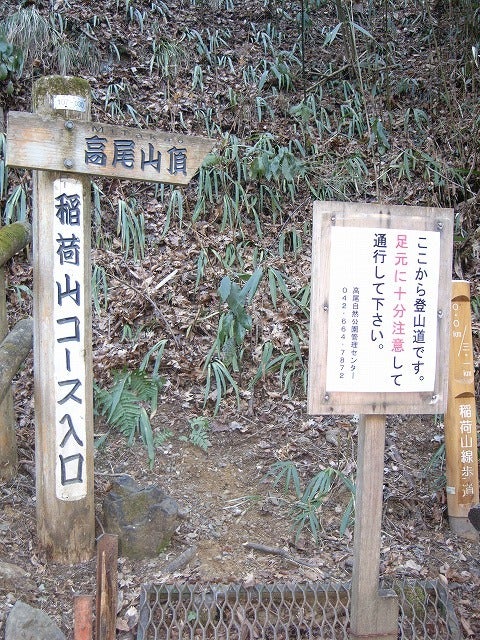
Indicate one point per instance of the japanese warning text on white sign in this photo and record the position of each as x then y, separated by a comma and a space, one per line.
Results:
383, 305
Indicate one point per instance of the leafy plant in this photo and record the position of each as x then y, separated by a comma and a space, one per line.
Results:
279, 72
249, 181
131, 228
227, 350
378, 136
28, 30
197, 78
434, 472
11, 63
174, 209
276, 281
33, 36
16, 206
305, 510
155, 352
286, 472
198, 436
290, 365
115, 102
130, 404
167, 57
99, 289
236, 322
22, 290
216, 370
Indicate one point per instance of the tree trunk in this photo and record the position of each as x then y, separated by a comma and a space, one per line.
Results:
13, 238
13, 351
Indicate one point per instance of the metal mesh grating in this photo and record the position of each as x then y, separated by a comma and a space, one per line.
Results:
283, 611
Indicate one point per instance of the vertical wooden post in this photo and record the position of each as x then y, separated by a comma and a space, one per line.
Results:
460, 418
82, 617
8, 440
373, 613
107, 587
62, 338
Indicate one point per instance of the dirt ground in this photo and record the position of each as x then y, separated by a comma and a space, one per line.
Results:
228, 502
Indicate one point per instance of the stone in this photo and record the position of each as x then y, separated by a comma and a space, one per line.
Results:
143, 518
28, 623
474, 516
13, 576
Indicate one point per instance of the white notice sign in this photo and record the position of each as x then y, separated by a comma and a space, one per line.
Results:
69, 349
383, 304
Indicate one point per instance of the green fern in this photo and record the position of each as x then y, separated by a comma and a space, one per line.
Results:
199, 428
125, 405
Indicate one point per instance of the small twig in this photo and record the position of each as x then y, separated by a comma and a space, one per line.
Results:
180, 561
89, 35
332, 75
152, 302
277, 551
329, 77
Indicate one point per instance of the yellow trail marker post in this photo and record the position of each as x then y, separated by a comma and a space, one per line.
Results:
460, 418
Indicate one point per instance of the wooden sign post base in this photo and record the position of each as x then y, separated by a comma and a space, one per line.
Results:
374, 613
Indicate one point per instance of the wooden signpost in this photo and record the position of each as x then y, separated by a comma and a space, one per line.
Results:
379, 341
96, 149
460, 418
66, 149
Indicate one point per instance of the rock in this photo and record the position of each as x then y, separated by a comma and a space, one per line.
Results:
13, 576
474, 516
27, 623
143, 518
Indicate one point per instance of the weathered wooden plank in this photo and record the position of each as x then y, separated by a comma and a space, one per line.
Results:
107, 587
327, 215
39, 141
373, 614
460, 417
13, 351
83, 619
62, 349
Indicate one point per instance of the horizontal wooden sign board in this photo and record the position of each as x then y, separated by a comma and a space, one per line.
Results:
380, 309
55, 144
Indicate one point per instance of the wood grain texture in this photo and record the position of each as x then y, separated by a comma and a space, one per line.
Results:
66, 529
359, 215
83, 617
460, 418
107, 587
373, 614
52, 143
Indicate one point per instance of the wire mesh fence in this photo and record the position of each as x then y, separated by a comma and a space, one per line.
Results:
284, 611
